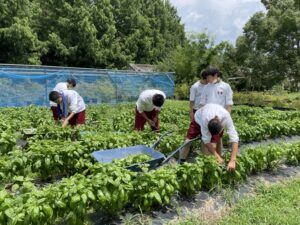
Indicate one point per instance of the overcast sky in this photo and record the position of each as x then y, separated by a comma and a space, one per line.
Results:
222, 19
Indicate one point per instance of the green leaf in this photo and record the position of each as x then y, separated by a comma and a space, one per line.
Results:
157, 197
84, 198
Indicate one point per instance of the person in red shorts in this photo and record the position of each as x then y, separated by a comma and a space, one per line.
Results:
60, 87
209, 122
71, 107
147, 109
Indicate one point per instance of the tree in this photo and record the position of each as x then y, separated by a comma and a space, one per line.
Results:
269, 50
85, 33
188, 60
19, 43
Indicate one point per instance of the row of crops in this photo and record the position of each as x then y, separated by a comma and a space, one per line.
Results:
54, 178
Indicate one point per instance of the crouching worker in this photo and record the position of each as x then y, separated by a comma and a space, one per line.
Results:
60, 87
147, 109
209, 122
70, 106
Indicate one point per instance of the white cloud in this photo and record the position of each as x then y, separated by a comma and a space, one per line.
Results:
223, 32
192, 17
184, 3
222, 18
239, 23
250, 1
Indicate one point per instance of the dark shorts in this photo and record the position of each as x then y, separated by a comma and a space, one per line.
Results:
195, 130
55, 112
78, 118
140, 120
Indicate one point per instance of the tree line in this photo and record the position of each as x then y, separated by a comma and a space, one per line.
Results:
265, 55
88, 33
114, 33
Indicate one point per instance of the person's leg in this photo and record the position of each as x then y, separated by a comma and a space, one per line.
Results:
80, 118
151, 115
185, 151
139, 121
55, 112
73, 120
193, 131
216, 141
204, 149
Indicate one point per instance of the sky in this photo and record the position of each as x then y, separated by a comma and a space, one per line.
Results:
221, 19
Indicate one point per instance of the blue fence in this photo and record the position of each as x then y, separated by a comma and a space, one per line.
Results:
22, 85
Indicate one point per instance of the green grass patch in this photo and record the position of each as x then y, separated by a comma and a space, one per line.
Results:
278, 204
277, 100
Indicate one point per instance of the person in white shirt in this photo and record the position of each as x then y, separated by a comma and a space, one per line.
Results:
60, 87
216, 91
71, 107
195, 94
147, 109
209, 122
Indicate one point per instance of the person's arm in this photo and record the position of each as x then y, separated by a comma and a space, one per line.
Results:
66, 121
155, 119
192, 109
192, 101
229, 99
206, 138
233, 139
203, 97
232, 162
229, 108
151, 122
211, 148
72, 99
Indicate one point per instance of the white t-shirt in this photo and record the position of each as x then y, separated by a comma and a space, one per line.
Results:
59, 87
218, 93
195, 94
74, 100
144, 102
208, 112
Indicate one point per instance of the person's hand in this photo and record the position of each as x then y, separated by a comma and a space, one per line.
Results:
219, 159
152, 123
155, 119
231, 165
65, 123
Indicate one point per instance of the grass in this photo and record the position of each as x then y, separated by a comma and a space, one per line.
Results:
279, 99
277, 204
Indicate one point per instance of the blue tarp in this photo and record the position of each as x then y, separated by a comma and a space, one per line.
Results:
22, 85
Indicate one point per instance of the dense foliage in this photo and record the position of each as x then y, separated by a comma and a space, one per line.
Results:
55, 179
114, 33
269, 50
266, 54
103, 34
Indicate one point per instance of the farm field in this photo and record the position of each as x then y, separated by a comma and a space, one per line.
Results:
55, 179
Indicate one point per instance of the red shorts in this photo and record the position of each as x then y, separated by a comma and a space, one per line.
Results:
55, 112
140, 120
195, 130
78, 118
